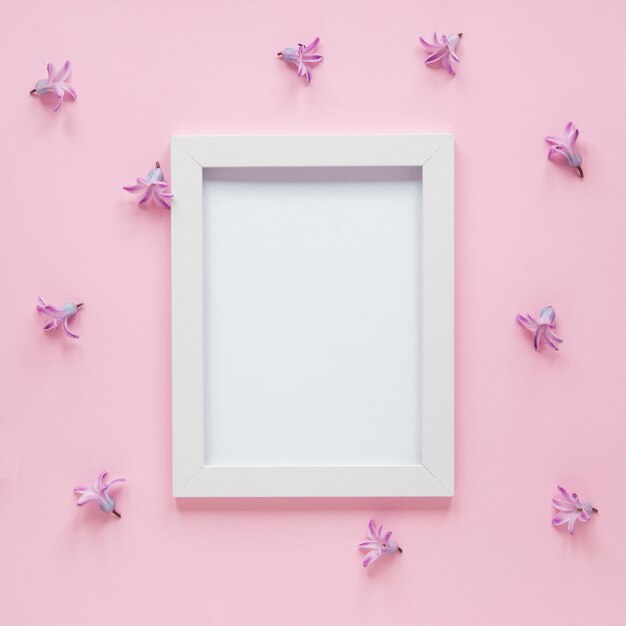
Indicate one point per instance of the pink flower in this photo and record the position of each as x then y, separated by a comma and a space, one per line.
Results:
567, 147
154, 188
443, 50
99, 494
56, 83
571, 510
542, 328
378, 544
59, 315
302, 57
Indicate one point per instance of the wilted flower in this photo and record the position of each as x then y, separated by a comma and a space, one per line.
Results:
571, 510
567, 147
302, 57
442, 50
153, 187
56, 83
59, 315
378, 544
542, 328
99, 494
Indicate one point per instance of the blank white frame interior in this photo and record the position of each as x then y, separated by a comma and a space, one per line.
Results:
313, 316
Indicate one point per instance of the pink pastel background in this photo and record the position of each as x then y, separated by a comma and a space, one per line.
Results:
529, 234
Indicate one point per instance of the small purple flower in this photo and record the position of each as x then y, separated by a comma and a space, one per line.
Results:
59, 315
571, 510
567, 147
56, 83
99, 494
378, 544
302, 57
153, 187
442, 50
542, 328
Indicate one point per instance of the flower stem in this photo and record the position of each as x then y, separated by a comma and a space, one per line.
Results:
594, 510
580, 171
31, 92
158, 165
116, 513
278, 54
399, 549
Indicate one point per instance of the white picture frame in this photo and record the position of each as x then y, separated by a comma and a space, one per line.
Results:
433, 157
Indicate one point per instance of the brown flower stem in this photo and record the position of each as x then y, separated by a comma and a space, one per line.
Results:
594, 510
399, 549
279, 54
158, 165
31, 92
580, 171
116, 513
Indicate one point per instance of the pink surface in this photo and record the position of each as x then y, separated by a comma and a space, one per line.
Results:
529, 234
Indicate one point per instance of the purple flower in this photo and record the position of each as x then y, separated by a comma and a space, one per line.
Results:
59, 315
571, 510
442, 50
542, 327
567, 147
153, 187
99, 494
378, 544
56, 83
302, 57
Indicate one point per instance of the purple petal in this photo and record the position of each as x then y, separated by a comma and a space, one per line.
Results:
436, 56
563, 506
162, 200
312, 46
527, 322
371, 556
427, 45
560, 518
68, 332
134, 188
555, 141
62, 75
371, 530
446, 63
70, 89
564, 493
146, 196
537, 337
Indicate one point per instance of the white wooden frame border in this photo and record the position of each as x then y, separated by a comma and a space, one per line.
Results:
435, 476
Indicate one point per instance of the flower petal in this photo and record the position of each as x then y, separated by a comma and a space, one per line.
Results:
134, 188
312, 46
62, 75
527, 322
431, 47
371, 530
371, 556
563, 506
436, 56
560, 518
564, 493
89, 496
68, 332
